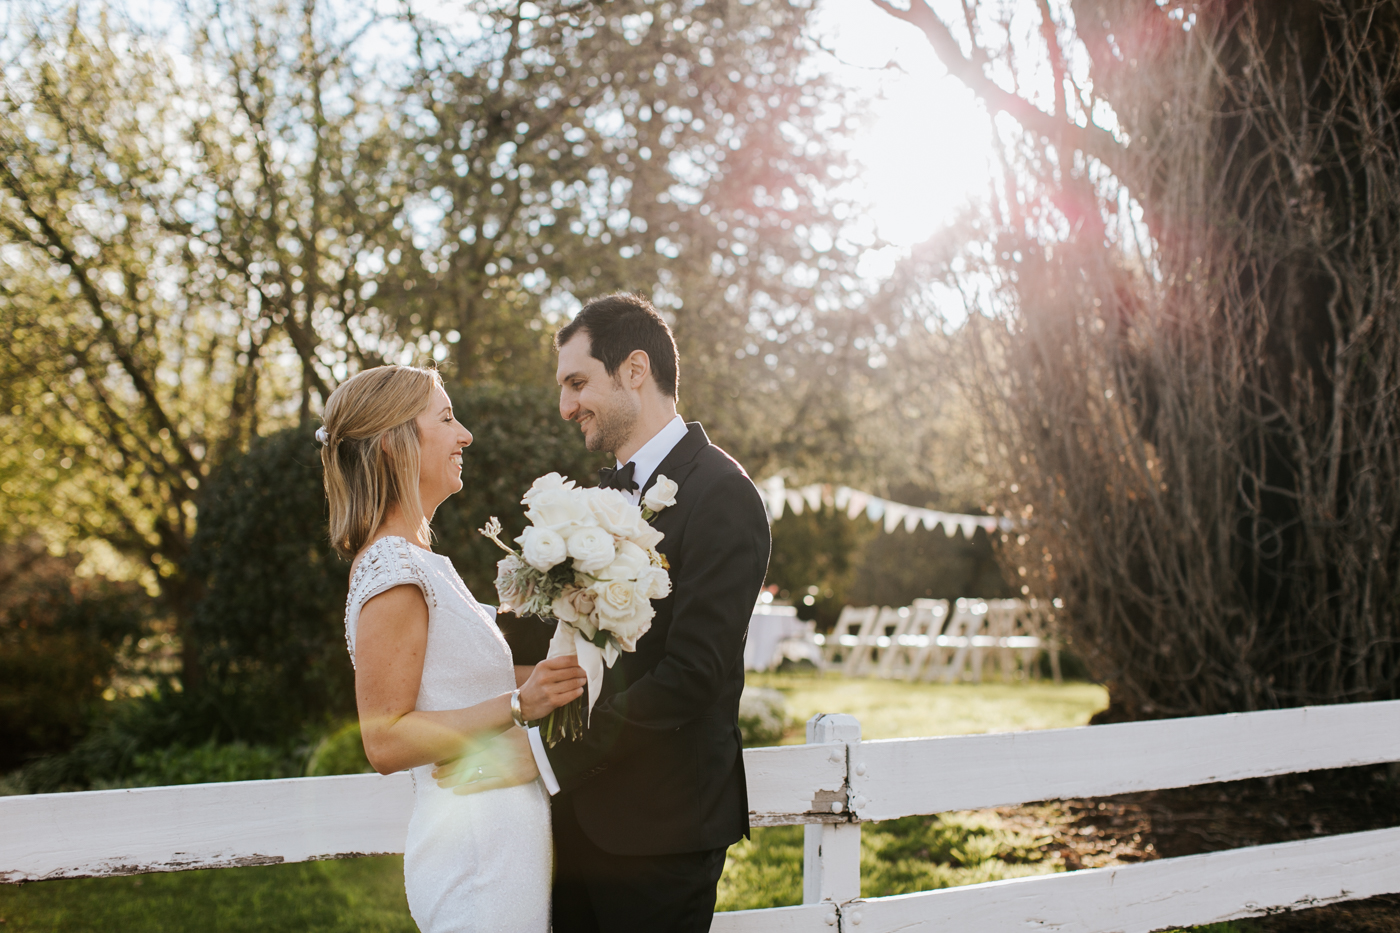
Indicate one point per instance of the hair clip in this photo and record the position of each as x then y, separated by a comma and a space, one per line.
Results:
323, 436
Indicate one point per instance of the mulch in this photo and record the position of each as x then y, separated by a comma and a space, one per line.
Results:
1187, 821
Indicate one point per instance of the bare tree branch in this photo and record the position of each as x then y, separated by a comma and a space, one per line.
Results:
1064, 134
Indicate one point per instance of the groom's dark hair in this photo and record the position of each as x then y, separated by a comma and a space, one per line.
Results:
619, 324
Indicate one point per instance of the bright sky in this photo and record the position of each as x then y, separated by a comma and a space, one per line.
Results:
928, 147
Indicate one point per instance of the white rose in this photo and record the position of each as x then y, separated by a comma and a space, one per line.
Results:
646, 538
622, 611
629, 632
628, 564
661, 495
542, 548
592, 549
615, 598
614, 512
575, 606
563, 509
546, 483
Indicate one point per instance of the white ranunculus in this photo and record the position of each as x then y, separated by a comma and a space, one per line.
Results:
661, 495
542, 548
592, 549
562, 509
546, 483
614, 512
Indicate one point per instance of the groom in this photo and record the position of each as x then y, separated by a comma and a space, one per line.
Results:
647, 802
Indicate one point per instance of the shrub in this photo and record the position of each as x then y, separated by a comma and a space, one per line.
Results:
210, 763
763, 716
60, 638
340, 752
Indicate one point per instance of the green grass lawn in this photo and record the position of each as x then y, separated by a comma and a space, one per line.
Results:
889, 709
316, 897
917, 853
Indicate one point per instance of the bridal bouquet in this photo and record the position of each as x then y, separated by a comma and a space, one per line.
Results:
589, 559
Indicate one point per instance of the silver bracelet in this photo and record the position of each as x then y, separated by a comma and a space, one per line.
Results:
516, 713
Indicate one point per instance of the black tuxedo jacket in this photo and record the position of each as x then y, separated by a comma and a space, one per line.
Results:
660, 769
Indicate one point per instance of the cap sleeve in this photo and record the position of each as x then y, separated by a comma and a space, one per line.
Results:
385, 564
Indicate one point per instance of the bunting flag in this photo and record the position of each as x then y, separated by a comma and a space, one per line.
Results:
778, 498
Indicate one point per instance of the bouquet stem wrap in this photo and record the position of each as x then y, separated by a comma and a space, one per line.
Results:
569, 640
569, 721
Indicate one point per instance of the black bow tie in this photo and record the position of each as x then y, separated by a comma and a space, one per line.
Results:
620, 479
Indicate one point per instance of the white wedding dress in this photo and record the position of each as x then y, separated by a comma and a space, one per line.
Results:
477, 862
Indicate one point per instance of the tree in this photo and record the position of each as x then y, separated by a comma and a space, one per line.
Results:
202, 233
105, 413
680, 149
1181, 345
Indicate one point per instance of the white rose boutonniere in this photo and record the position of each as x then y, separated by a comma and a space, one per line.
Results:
661, 495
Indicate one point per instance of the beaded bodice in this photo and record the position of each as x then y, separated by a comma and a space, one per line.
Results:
467, 659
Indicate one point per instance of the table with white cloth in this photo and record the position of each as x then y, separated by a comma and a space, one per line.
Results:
769, 626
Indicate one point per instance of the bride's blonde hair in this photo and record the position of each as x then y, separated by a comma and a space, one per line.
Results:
370, 451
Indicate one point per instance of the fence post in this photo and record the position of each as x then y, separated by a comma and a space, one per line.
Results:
831, 851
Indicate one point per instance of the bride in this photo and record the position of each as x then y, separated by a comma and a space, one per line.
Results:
434, 678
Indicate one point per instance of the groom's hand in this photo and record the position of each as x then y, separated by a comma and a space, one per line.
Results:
505, 761
553, 683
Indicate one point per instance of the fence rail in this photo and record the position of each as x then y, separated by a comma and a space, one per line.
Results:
830, 785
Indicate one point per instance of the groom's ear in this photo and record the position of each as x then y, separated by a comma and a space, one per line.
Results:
636, 369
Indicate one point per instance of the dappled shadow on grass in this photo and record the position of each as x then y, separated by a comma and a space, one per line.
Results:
343, 896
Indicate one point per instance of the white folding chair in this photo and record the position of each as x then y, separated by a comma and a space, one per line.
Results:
867, 640
845, 635
919, 641
1000, 629
962, 636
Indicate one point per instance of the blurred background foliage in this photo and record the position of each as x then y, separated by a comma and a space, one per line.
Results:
60, 642
205, 226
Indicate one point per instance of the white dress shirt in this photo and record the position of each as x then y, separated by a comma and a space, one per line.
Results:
644, 461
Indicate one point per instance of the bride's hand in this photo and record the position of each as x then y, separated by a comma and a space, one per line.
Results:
553, 683
504, 761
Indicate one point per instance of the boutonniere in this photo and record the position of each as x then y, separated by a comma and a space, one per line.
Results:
661, 495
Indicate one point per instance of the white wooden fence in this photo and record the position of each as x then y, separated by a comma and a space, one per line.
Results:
831, 785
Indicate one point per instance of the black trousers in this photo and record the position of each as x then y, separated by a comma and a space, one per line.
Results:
599, 892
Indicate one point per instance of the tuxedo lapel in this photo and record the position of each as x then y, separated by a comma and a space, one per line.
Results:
680, 461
